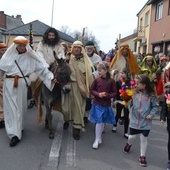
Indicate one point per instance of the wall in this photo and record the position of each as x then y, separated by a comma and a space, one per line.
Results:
159, 30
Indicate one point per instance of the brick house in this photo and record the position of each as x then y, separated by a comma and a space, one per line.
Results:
159, 39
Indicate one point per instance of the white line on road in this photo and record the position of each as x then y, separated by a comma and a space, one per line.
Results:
56, 145
71, 149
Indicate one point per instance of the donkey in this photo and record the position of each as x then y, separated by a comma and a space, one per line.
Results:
62, 72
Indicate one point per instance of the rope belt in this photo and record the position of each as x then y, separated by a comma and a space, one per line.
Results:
15, 79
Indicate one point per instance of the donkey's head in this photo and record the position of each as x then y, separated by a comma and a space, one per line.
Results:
62, 72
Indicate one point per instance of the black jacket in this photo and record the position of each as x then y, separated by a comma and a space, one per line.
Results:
165, 111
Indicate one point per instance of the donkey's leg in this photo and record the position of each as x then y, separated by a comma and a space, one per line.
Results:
49, 119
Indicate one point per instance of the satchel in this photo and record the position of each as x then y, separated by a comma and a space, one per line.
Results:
29, 93
81, 81
82, 85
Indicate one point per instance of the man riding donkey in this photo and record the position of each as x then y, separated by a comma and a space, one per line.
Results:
49, 45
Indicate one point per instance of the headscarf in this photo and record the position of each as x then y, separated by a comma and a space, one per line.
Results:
8, 57
88, 64
145, 68
132, 60
144, 65
3, 45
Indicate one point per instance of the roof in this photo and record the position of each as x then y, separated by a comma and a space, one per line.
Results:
38, 28
146, 4
152, 2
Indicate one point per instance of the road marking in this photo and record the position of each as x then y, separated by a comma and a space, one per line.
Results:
71, 149
56, 145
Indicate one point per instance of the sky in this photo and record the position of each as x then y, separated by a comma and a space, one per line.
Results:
105, 19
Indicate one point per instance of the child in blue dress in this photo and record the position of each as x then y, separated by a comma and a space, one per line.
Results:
103, 89
144, 107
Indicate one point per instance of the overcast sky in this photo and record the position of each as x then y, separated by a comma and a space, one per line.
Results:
106, 19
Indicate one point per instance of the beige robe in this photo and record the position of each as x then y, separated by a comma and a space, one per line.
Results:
118, 65
73, 105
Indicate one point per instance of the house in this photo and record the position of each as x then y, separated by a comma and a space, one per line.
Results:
11, 26
38, 28
153, 35
9, 22
143, 29
159, 38
129, 40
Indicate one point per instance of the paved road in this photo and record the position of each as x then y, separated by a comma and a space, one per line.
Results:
37, 152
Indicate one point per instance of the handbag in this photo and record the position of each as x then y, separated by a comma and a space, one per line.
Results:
29, 93
29, 90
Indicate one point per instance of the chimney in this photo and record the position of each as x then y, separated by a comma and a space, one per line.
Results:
19, 17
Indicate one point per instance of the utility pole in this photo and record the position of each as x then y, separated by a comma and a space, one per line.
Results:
52, 13
83, 33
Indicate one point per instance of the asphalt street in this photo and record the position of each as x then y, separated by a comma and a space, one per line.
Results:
37, 152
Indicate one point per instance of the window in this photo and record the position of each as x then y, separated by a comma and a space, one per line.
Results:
147, 18
141, 22
159, 10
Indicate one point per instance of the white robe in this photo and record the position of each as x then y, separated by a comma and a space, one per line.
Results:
45, 53
15, 99
95, 59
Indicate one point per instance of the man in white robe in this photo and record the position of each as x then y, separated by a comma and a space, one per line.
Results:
15, 89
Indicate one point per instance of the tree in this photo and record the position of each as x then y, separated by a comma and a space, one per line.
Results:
88, 36
65, 29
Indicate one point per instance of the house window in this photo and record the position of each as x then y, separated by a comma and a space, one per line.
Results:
147, 17
141, 22
159, 10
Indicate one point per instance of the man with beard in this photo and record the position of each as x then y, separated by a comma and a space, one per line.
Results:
124, 59
49, 44
45, 50
90, 50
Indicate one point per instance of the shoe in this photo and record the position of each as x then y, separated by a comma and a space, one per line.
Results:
95, 144
14, 141
65, 125
2, 124
142, 161
114, 129
126, 135
86, 120
168, 165
121, 121
76, 134
127, 148
31, 105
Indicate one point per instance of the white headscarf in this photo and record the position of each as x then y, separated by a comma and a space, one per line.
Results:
10, 55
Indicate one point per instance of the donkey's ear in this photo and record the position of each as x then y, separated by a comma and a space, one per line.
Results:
60, 60
55, 55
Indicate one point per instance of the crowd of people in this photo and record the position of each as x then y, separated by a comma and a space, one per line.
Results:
96, 81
